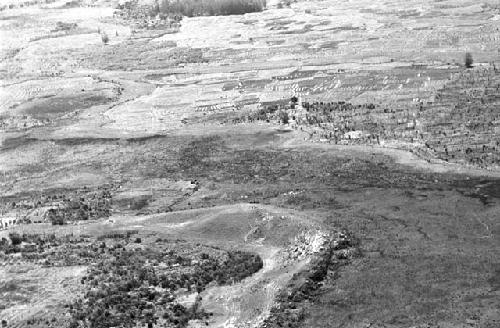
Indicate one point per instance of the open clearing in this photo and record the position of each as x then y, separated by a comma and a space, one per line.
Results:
316, 164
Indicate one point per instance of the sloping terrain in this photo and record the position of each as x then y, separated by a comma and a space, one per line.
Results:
316, 164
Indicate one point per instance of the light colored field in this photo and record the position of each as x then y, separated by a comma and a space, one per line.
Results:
262, 54
39, 291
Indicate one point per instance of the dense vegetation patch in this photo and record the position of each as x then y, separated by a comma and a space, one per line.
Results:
130, 283
140, 285
49, 249
291, 303
61, 206
192, 8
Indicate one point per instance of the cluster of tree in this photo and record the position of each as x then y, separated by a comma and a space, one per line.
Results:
53, 250
129, 284
146, 16
84, 198
283, 117
314, 113
290, 311
126, 234
192, 8
265, 113
76, 207
339, 106
236, 267
13, 243
126, 289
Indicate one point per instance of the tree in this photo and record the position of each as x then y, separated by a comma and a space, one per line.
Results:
104, 38
15, 238
57, 220
284, 117
468, 60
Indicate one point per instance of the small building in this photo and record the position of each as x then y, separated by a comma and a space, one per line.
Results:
6, 222
357, 134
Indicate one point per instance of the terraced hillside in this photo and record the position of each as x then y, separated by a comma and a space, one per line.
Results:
316, 164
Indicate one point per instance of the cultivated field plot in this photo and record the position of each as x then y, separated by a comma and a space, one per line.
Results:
305, 164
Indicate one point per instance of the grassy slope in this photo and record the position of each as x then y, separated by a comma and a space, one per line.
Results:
429, 242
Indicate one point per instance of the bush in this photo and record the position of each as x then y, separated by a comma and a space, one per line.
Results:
468, 60
57, 220
15, 238
284, 117
104, 38
211, 7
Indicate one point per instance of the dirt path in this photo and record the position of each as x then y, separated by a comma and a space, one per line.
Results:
252, 227
247, 304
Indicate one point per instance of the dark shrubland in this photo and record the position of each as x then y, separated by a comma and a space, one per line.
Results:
129, 284
193, 8
125, 288
15, 238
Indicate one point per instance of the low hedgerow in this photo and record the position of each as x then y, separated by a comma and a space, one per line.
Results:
193, 8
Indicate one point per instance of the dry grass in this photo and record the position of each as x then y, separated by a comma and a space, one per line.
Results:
192, 8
